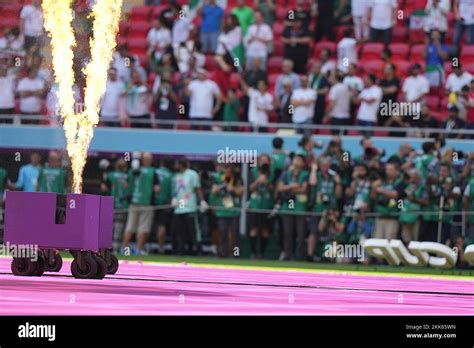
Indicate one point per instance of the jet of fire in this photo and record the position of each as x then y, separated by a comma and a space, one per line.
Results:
79, 127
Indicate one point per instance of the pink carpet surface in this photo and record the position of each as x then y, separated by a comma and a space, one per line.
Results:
158, 289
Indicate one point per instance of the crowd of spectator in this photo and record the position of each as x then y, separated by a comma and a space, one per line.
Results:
212, 61
305, 199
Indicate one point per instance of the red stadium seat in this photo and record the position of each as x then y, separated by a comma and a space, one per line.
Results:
417, 36
399, 50
235, 80
281, 13
432, 102
372, 50
274, 64
415, 52
448, 68
278, 48
403, 67
399, 34
137, 46
156, 12
373, 66
331, 46
467, 54
469, 67
139, 29
210, 64
140, 13
123, 28
278, 30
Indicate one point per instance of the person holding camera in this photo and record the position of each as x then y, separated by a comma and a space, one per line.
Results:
468, 205
293, 191
416, 198
115, 184
261, 197
227, 190
331, 227
142, 184
385, 192
325, 190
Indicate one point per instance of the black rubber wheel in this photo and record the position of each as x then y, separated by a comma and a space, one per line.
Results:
101, 267
40, 266
23, 266
55, 265
113, 265
89, 271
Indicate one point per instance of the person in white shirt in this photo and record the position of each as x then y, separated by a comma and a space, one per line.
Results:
359, 17
346, 51
457, 80
354, 82
303, 100
138, 102
436, 17
204, 98
158, 38
369, 100
416, 86
31, 25
110, 109
31, 90
182, 27
464, 16
12, 43
328, 65
338, 111
7, 96
260, 104
383, 16
259, 36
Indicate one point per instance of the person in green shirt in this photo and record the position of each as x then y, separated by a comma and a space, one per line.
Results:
227, 189
115, 183
187, 198
325, 190
428, 162
162, 198
293, 191
261, 198
468, 205
416, 197
244, 14
385, 193
279, 157
53, 176
231, 109
142, 183
443, 199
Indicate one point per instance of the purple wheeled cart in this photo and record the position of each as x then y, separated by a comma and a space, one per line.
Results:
80, 223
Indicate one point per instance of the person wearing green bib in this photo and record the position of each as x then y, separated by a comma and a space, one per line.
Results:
162, 199
416, 197
261, 198
428, 162
53, 176
115, 183
293, 191
325, 190
468, 204
142, 183
385, 193
227, 191
279, 157
186, 194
